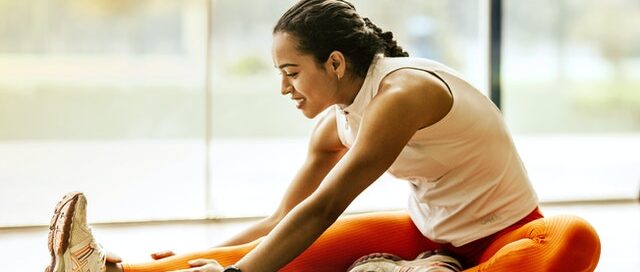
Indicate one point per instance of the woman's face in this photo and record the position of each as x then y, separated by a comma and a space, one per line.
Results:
312, 87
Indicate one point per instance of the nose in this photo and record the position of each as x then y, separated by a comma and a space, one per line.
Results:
285, 87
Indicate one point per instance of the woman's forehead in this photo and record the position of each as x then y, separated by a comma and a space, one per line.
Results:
284, 44
285, 51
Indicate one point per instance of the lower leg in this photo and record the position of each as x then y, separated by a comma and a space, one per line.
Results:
224, 255
114, 268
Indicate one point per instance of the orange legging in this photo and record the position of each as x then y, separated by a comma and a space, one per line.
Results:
559, 243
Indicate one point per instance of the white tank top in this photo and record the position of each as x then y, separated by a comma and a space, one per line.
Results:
467, 180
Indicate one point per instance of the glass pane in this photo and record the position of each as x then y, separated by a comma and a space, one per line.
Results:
571, 94
105, 97
260, 138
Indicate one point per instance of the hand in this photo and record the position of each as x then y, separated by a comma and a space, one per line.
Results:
202, 265
162, 254
113, 258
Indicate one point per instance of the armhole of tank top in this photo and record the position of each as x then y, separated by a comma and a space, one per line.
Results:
339, 126
441, 79
433, 73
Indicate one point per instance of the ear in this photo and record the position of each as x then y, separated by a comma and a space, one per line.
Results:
337, 64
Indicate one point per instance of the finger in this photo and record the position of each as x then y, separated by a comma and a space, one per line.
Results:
201, 262
113, 258
162, 254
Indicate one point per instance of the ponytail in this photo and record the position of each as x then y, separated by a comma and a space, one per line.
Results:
391, 48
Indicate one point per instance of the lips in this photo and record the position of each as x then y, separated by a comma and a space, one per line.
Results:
299, 101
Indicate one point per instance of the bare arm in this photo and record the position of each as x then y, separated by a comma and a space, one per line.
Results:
390, 121
325, 149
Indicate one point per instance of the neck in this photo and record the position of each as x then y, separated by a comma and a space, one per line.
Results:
348, 89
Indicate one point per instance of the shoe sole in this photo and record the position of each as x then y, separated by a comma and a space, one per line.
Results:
374, 257
449, 262
60, 227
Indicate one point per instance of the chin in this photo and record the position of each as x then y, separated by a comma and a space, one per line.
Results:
310, 114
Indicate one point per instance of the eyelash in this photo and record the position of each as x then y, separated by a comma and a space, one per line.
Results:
289, 75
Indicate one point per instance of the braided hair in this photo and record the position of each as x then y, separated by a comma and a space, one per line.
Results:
324, 26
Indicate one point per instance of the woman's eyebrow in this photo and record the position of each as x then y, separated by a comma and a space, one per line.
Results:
287, 65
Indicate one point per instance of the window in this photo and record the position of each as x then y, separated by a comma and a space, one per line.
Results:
108, 97
571, 95
105, 97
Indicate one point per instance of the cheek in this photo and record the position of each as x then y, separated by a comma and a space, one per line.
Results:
304, 87
316, 87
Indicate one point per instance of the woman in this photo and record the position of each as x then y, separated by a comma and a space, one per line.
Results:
414, 118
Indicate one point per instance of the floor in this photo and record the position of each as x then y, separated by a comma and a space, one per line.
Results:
24, 249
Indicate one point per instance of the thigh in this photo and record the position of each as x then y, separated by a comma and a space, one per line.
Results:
348, 239
351, 237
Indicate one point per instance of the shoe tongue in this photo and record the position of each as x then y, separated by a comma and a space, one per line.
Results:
80, 235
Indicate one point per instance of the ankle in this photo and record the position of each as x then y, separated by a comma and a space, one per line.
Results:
111, 267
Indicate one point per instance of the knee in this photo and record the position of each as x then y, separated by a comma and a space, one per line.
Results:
558, 243
575, 243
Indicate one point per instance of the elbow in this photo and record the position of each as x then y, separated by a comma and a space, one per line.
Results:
275, 218
317, 211
327, 209
332, 212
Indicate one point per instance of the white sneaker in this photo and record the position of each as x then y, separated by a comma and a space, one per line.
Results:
429, 261
71, 244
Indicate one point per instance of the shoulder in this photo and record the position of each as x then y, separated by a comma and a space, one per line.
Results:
407, 80
324, 138
418, 93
